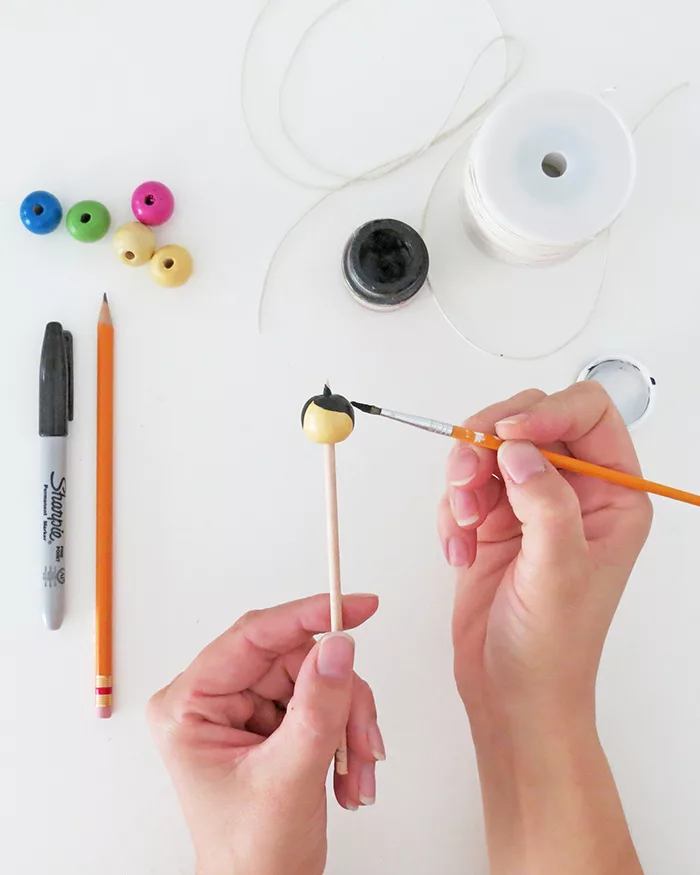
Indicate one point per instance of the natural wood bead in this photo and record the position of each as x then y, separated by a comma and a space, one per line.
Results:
135, 244
171, 266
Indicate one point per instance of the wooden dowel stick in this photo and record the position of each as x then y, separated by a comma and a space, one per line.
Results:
341, 756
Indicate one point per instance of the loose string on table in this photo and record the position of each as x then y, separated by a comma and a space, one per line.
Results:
514, 61
494, 236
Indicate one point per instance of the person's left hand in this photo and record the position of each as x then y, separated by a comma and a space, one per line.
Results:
249, 731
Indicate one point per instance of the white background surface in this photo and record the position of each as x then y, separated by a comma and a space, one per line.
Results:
219, 497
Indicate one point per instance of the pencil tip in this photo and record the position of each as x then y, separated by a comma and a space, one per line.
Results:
367, 408
105, 316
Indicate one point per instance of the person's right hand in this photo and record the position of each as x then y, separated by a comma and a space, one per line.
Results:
543, 560
543, 556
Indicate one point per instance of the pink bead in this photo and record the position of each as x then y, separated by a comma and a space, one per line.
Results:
152, 203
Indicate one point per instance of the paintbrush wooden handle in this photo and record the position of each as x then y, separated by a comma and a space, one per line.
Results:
478, 438
567, 463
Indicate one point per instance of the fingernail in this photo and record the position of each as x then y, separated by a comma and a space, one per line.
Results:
336, 654
519, 419
457, 554
351, 806
463, 466
376, 742
368, 784
520, 461
465, 507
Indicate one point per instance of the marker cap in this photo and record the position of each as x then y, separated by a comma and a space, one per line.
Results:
56, 382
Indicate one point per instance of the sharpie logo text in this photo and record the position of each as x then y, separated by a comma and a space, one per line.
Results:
54, 501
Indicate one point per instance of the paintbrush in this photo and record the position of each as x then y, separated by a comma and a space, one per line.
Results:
565, 463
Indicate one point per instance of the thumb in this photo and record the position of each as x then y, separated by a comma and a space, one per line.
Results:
546, 505
318, 712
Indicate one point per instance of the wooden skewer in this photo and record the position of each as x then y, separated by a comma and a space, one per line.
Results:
103, 571
567, 463
341, 756
329, 419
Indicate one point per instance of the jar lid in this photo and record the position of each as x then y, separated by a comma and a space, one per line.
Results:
629, 384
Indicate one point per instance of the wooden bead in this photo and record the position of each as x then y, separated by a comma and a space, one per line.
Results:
328, 418
41, 212
152, 203
88, 221
135, 244
171, 266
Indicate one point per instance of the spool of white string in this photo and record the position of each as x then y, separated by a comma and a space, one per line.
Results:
545, 174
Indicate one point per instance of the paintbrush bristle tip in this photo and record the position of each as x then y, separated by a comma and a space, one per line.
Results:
367, 408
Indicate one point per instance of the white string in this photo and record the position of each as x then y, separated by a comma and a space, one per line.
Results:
497, 236
502, 242
530, 358
281, 102
493, 235
443, 132
664, 97
381, 170
245, 101
495, 353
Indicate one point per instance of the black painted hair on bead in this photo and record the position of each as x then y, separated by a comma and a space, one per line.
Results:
329, 401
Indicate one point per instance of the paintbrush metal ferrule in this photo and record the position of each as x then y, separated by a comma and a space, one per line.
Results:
432, 425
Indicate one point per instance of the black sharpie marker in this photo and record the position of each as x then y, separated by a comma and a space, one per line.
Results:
55, 412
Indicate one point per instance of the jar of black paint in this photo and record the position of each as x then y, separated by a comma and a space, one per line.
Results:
385, 264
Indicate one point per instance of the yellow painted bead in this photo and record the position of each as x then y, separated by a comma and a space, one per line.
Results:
135, 244
328, 418
327, 426
171, 266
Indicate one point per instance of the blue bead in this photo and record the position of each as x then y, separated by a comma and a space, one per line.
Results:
41, 212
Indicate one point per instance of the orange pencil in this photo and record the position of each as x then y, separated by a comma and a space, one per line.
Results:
103, 569
566, 463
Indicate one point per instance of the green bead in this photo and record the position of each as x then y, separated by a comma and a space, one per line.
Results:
88, 221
